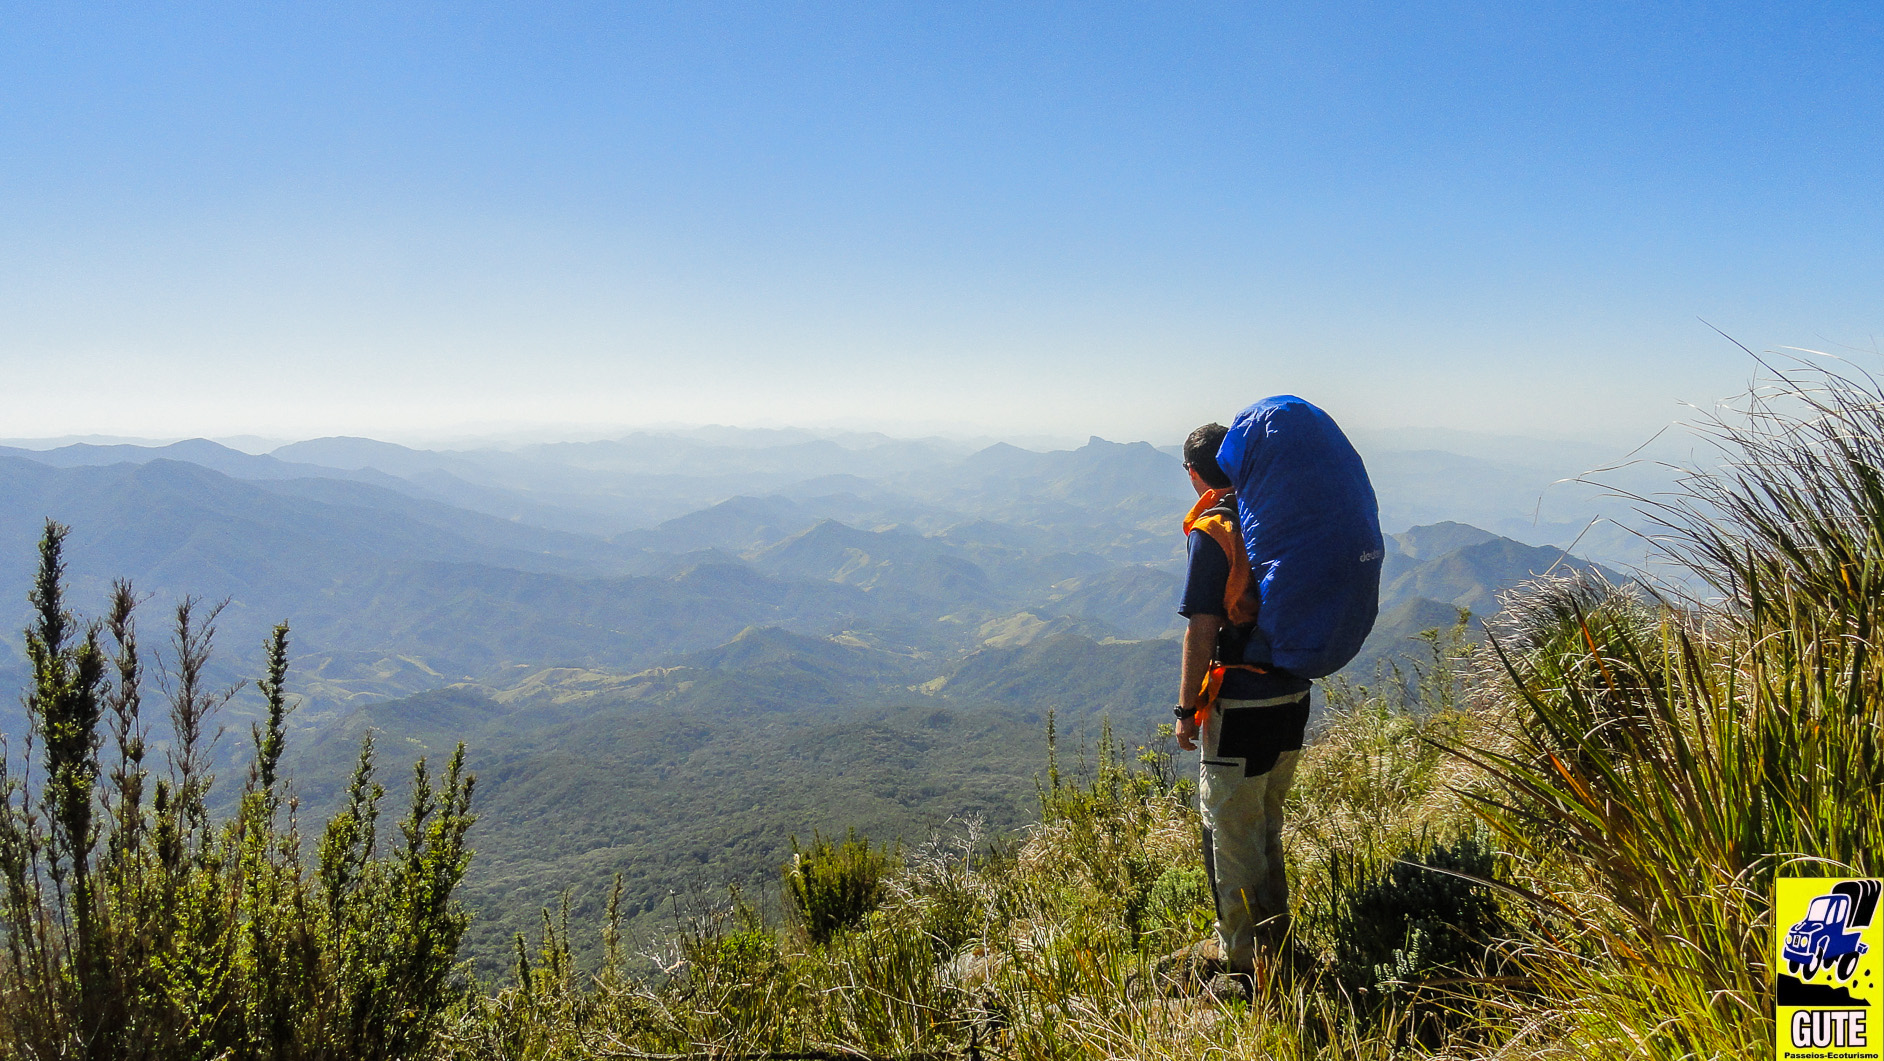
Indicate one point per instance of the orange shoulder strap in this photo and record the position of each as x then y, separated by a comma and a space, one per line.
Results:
1239, 590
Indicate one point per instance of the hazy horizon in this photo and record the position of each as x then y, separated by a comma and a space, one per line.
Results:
496, 437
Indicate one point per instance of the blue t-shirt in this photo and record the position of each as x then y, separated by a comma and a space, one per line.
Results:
1205, 578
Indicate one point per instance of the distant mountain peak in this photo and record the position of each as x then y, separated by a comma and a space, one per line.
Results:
352, 453
1437, 539
1001, 456
1138, 448
200, 445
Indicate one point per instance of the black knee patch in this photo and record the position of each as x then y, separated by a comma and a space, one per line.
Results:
1259, 735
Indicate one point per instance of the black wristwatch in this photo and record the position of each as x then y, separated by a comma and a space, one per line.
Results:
1183, 712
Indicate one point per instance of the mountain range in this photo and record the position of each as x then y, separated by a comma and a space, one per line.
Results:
813, 635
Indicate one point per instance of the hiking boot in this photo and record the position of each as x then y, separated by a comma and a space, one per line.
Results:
1289, 958
1230, 987
1187, 969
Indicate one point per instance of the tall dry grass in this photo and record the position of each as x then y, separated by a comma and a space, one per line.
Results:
1664, 759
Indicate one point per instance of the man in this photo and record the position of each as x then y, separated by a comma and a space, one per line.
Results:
1252, 732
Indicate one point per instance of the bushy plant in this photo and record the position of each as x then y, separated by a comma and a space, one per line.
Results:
1113, 826
947, 888
136, 927
1425, 914
1180, 905
834, 886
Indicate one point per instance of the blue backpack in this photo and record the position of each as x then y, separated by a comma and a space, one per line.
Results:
1311, 527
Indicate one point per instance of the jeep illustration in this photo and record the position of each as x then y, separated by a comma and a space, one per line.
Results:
1828, 936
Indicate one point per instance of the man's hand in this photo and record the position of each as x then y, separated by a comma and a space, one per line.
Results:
1187, 734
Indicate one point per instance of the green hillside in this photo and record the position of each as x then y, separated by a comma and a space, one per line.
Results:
689, 777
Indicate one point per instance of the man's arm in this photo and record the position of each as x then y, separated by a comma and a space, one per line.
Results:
1200, 643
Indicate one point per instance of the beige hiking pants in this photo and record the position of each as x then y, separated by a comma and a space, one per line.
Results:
1242, 814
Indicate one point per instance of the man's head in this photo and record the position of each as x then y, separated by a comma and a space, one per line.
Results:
1200, 457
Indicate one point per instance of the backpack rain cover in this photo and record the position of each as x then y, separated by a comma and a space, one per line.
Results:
1311, 526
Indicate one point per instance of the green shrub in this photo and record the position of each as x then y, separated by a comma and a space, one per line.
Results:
1394, 925
946, 888
1180, 903
1115, 823
742, 948
137, 928
834, 886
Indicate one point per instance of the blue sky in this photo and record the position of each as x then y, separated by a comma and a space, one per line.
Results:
402, 220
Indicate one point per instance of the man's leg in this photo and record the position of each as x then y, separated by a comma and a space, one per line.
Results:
1242, 815
1274, 884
